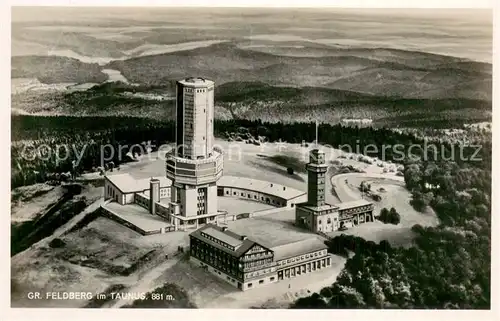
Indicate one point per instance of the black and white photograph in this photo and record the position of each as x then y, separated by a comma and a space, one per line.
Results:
251, 158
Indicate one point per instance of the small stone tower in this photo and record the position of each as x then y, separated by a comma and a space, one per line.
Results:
154, 194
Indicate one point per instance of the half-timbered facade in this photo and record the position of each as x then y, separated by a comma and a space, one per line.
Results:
247, 264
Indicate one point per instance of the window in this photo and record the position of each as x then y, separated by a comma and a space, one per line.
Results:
271, 278
249, 285
319, 222
227, 192
329, 221
234, 193
261, 281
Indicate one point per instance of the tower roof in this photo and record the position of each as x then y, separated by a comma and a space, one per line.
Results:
196, 82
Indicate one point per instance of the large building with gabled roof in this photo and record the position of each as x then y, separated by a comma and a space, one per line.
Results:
246, 264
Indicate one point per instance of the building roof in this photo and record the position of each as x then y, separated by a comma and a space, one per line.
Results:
266, 187
353, 204
229, 238
196, 82
298, 248
137, 216
241, 245
318, 208
126, 183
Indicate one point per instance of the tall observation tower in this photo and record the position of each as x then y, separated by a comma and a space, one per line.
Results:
194, 165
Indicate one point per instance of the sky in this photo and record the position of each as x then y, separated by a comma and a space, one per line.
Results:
463, 33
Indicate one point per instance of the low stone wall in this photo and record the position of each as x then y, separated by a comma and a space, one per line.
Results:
108, 214
268, 211
112, 216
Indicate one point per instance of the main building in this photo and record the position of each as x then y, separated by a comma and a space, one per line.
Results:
194, 166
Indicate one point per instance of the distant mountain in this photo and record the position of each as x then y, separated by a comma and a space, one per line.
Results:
55, 69
391, 87
381, 72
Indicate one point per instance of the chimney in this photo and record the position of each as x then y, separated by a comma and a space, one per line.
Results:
154, 194
243, 237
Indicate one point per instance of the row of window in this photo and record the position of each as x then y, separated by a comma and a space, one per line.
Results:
257, 263
257, 273
164, 192
268, 200
191, 90
221, 266
303, 257
261, 282
257, 255
328, 220
215, 240
313, 266
222, 261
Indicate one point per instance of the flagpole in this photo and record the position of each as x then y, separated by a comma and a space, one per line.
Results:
317, 143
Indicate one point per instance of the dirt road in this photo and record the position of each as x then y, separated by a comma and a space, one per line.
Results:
346, 194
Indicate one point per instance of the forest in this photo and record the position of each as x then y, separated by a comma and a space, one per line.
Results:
448, 266
37, 140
